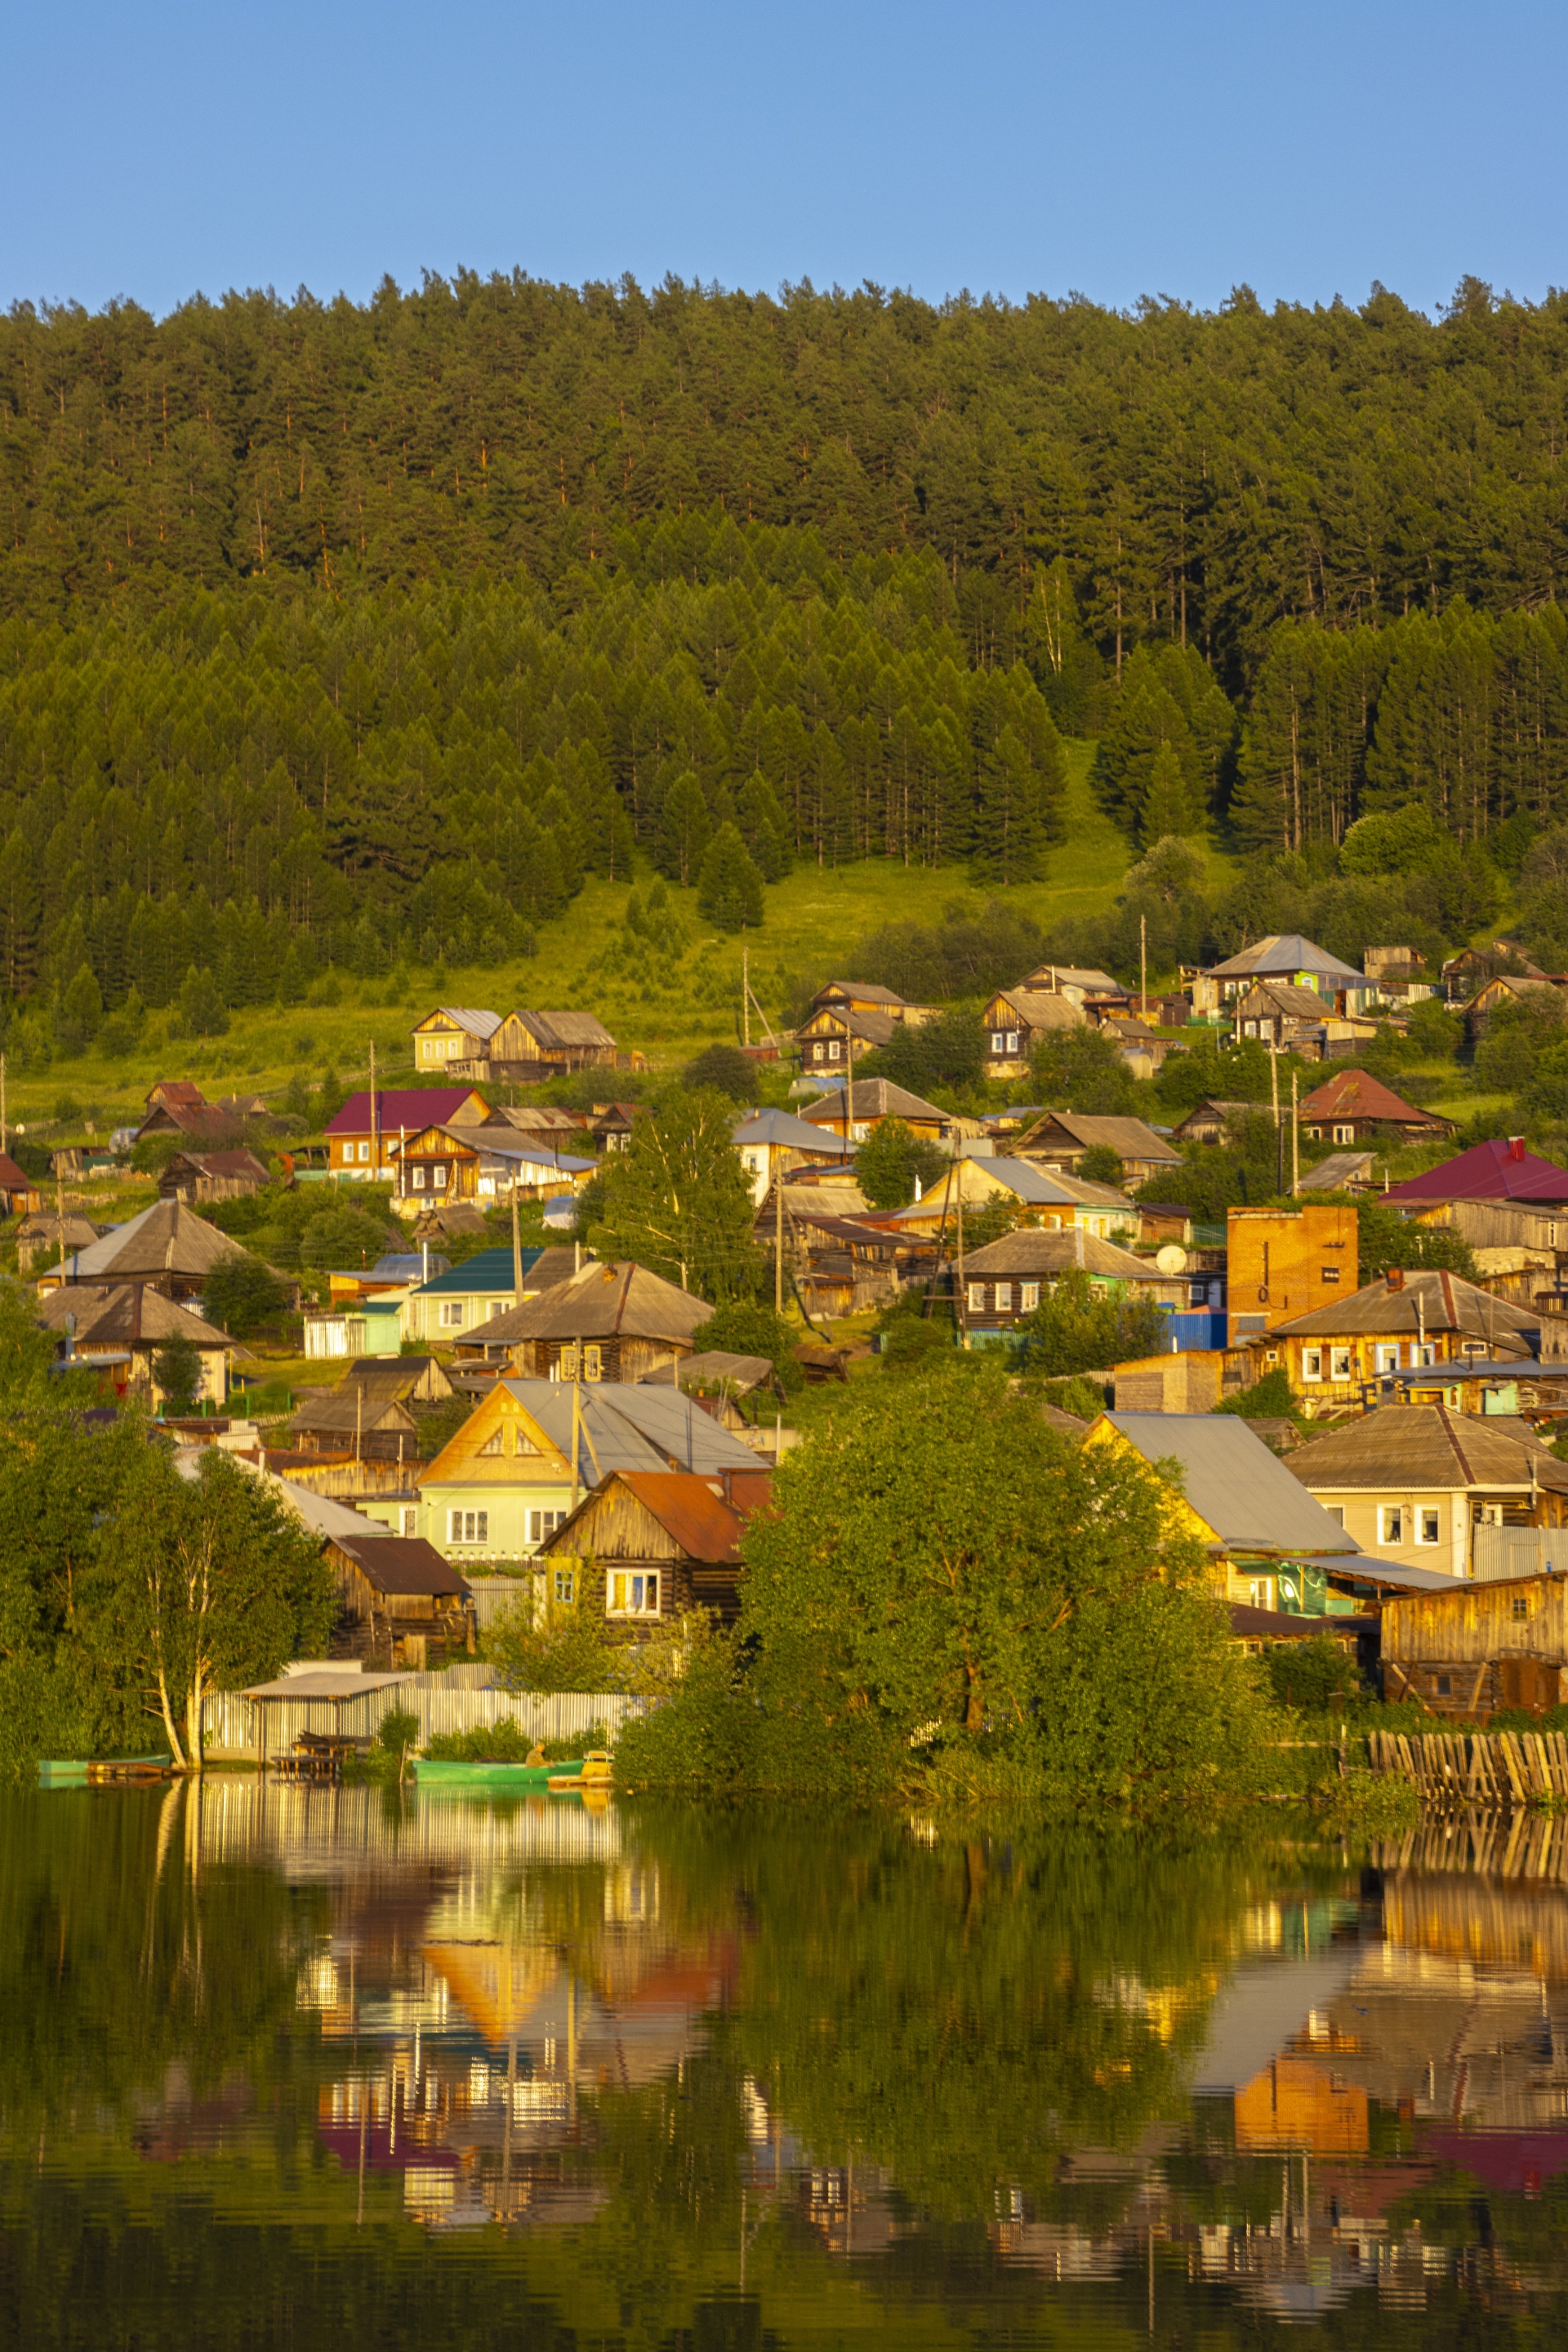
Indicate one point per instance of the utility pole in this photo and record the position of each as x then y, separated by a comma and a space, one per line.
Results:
963, 1293
60, 1216
745, 994
1143, 967
516, 1247
4, 1132
1278, 1130
374, 1137
778, 1239
576, 1416
1295, 1138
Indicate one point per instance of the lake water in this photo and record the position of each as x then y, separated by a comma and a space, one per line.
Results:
300, 2067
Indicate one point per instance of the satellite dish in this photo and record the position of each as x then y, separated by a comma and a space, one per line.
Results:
1171, 1258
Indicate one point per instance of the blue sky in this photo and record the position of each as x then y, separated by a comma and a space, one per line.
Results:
1140, 149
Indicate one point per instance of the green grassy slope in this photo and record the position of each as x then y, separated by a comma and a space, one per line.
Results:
663, 1003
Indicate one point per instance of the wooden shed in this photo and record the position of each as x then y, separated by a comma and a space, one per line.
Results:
400, 1603
1500, 1643
648, 1544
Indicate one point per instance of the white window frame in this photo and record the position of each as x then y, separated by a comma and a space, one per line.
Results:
1423, 1353
466, 1526
1003, 1296
1344, 1135
833, 1049
1428, 1516
439, 1175
998, 1041
632, 1592
364, 1150
1342, 1364
1028, 1296
451, 1315
348, 1152
1385, 1357
977, 1298
1391, 1523
419, 1179
1312, 1363
543, 1523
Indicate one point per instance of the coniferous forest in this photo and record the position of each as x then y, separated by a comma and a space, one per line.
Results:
329, 630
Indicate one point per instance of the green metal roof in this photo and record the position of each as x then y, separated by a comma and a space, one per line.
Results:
489, 1270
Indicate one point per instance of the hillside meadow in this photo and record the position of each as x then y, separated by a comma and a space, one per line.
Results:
665, 997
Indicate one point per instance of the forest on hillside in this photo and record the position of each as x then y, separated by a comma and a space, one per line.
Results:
329, 631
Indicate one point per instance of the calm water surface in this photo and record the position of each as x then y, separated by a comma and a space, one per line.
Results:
313, 2067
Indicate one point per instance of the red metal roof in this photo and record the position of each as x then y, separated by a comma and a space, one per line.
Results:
1352, 1094
12, 1178
1494, 1171
703, 1523
412, 1107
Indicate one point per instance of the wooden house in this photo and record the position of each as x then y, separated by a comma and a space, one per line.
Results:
834, 1036
122, 1328
1415, 1483
648, 1545
178, 1107
1212, 1122
512, 1166
1005, 1282
409, 1379
1016, 1017
1505, 988
865, 996
18, 1193
1268, 1541
854, 1112
357, 1422
165, 1248
1481, 1647
723, 1383
366, 1137
1090, 990
488, 1339
193, 1175
611, 1323
545, 1127
45, 1237
1342, 1172
1060, 1138
529, 1048
453, 1032
842, 1265
506, 1480
1351, 1108
1399, 1332
399, 1603
1280, 1016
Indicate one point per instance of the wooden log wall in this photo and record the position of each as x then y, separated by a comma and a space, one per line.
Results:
1453, 1770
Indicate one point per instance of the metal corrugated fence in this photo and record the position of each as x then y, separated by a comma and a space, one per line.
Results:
491, 1594
229, 1720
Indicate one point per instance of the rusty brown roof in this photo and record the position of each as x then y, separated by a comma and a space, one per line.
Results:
1353, 1094
401, 1564
691, 1509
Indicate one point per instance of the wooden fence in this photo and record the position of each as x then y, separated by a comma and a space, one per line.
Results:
1453, 1770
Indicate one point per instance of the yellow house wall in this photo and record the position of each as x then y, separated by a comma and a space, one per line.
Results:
529, 1474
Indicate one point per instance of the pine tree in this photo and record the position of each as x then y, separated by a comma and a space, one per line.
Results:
684, 830
1170, 804
729, 888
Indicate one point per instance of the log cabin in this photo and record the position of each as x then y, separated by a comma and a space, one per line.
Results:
1484, 1646
1014, 1018
453, 1032
646, 1546
399, 1604
626, 1321
1060, 1138
165, 1248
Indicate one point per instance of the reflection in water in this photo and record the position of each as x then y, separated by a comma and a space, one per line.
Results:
302, 2065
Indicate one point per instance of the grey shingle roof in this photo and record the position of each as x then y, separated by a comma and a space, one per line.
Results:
164, 1239
1246, 1494
781, 1128
1130, 1139
1032, 1251
603, 1302
872, 1099
1410, 1446
638, 1425
1430, 1299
